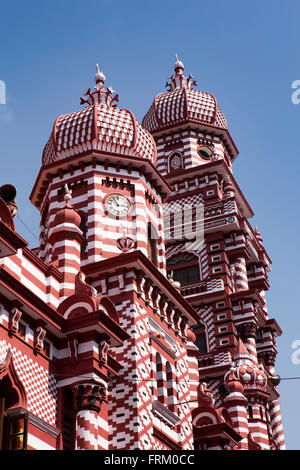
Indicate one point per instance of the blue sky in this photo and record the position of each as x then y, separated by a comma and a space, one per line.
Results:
245, 53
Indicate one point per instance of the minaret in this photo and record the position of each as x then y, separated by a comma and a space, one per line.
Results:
211, 247
113, 233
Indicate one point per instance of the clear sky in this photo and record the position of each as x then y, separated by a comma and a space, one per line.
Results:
245, 53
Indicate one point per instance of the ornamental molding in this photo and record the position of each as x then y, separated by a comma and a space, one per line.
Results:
36, 421
162, 412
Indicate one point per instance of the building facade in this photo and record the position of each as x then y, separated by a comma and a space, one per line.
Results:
140, 321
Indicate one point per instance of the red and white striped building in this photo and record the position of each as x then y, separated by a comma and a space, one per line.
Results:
140, 321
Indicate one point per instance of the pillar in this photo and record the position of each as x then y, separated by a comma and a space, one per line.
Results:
248, 332
66, 239
241, 278
88, 400
236, 404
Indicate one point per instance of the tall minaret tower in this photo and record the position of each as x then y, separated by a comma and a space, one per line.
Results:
218, 258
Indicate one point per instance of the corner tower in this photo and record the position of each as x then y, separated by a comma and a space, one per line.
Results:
218, 258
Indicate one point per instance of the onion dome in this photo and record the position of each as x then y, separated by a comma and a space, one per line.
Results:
182, 103
245, 371
100, 126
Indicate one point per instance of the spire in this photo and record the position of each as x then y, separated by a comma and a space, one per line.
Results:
179, 80
100, 95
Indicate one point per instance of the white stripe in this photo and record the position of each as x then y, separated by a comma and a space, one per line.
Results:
37, 443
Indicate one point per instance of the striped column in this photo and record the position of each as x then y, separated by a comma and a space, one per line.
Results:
66, 239
258, 423
193, 368
88, 400
241, 278
236, 404
276, 424
262, 293
248, 335
86, 430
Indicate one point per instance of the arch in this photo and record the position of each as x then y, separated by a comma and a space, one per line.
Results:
78, 304
83, 228
10, 385
171, 391
159, 378
205, 417
185, 267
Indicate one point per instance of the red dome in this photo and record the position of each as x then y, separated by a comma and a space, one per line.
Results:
99, 126
182, 103
67, 215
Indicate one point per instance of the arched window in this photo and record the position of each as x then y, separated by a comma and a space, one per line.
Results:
83, 228
171, 391
184, 268
261, 412
13, 425
159, 378
152, 239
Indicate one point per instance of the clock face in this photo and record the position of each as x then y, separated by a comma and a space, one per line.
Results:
118, 204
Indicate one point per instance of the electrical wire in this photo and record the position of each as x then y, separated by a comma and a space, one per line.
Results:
27, 227
204, 380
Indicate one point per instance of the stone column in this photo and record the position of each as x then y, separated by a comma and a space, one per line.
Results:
276, 424
66, 238
88, 399
248, 332
236, 404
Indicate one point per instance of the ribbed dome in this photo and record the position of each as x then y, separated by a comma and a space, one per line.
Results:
99, 126
182, 103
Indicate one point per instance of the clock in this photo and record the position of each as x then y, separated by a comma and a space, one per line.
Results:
117, 204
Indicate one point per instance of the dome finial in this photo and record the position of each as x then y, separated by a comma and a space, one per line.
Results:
179, 80
68, 193
178, 64
100, 95
99, 77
